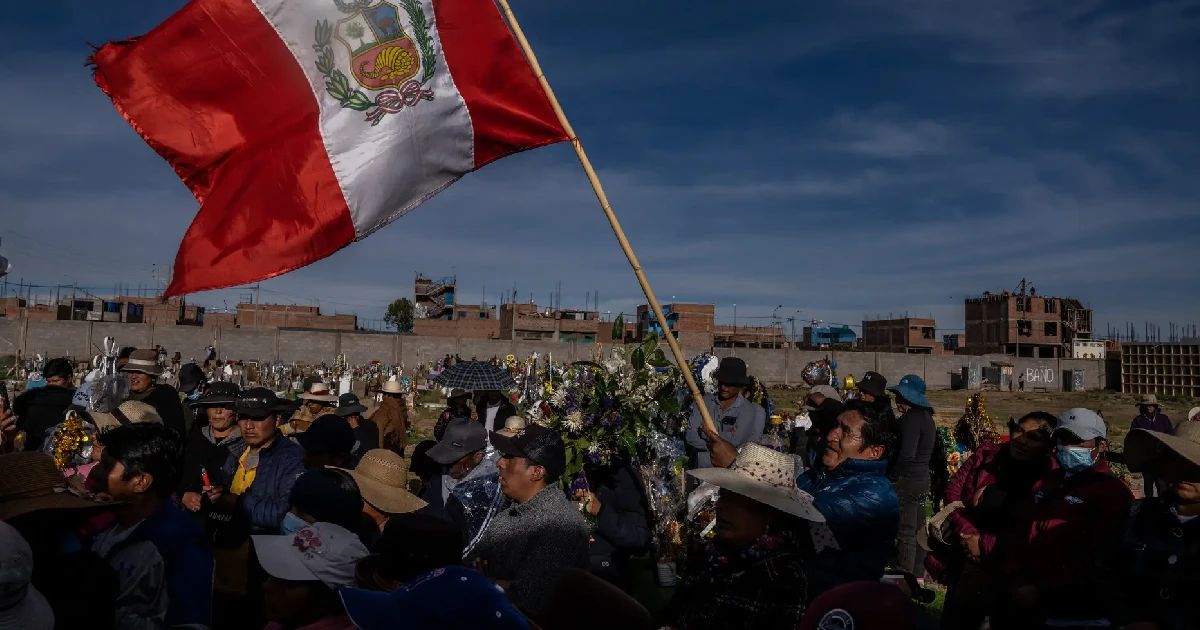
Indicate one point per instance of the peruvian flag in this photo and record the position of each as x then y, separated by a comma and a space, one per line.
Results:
302, 126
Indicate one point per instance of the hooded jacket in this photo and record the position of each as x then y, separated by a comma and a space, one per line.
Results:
623, 524
38, 410
863, 512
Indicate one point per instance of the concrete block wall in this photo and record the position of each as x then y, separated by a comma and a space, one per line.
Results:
82, 339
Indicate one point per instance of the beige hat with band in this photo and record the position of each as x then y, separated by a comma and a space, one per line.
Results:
382, 477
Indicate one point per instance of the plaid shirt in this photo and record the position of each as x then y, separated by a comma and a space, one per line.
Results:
759, 591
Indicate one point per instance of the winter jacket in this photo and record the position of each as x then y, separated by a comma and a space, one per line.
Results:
201, 454
623, 523
860, 506
38, 410
917, 436
532, 544
165, 400
165, 565
266, 501
1056, 546
1008, 495
1151, 568
1156, 421
506, 411
392, 419
740, 424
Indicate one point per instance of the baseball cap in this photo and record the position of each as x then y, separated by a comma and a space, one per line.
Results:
1084, 424
321, 552
328, 434
540, 445
861, 606
348, 405
463, 436
21, 605
873, 383
450, 597
259, 403
190, 377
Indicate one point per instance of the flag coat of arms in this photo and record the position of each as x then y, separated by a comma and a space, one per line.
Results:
301, 127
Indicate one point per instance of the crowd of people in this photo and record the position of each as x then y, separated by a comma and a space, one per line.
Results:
211, 506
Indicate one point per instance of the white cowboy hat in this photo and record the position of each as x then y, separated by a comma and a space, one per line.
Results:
1194, 414
318, 392
392, 387
766, 476
512, 426
1148, 399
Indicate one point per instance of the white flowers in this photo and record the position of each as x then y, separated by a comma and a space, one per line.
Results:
559, 397
574, 421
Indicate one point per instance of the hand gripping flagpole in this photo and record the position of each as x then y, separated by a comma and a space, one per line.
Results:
608, 211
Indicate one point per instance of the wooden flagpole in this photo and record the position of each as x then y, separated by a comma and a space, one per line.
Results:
608, 212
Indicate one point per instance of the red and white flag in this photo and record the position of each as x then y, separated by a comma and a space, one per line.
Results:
303, 126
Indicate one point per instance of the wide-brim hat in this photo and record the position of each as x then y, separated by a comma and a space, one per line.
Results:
1193, 414
318, 392
219, 394
143, 362
458, 392
392, 387
129, 412
764, 475
731, 371
1148, 399
1144, 449
382, 477
30, 482
912, 388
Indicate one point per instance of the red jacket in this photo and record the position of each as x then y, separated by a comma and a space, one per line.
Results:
1007, 501
1060, 542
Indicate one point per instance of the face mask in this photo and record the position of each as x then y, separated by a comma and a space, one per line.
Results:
292, 524
1074, 458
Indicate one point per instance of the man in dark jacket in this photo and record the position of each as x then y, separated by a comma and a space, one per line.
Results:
1151, 418
38, 410
1054, 549
737, 420
910, 472
1150, 571
493, 409
143, 370
616, 497
860, 506
163, 562
208, 446
824, 405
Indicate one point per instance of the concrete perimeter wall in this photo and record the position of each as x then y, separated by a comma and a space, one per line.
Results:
84, 339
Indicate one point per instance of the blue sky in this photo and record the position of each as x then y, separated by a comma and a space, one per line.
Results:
846, 158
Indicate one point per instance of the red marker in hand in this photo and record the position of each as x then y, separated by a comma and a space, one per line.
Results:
204, 478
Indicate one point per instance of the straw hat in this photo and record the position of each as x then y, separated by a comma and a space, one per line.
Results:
29, 482
318, 392
144, 362
135, 412
1144, 449
764, 475
512, 426
382, 478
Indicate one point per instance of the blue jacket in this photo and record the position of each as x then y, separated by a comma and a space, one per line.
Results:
165, 554
266, 501
862, 509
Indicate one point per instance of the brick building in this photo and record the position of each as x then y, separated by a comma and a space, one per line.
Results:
525, 322
911, 335
291, 316
826, 337
692, 324
1028, 326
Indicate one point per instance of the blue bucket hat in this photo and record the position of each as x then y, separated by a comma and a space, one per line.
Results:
912, 389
